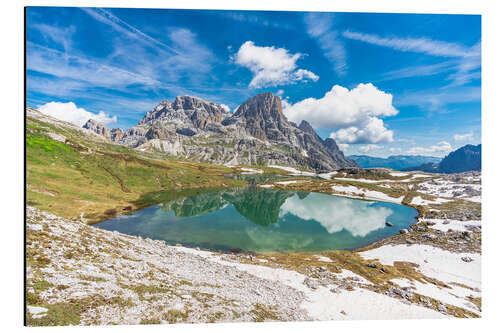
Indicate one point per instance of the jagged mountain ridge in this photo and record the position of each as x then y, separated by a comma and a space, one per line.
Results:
190, 111
257, 133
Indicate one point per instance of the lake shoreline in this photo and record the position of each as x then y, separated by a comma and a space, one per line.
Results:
253, 219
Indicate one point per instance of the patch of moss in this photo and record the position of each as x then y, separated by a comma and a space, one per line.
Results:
262, 313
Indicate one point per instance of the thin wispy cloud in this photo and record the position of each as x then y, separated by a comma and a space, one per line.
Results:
320, 27
464, 137
420, 45
59, 35
53, 62
436, 100
421, 71
67, 72
255, 19
105, 16
468, 69
465, 65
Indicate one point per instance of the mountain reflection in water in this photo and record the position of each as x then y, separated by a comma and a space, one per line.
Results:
262, 219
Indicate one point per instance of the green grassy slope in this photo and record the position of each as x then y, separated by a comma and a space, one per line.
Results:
90, 176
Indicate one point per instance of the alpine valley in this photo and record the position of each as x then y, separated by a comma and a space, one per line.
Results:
256, 133
230, 203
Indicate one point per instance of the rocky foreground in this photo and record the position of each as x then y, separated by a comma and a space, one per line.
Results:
81, 275
103, 277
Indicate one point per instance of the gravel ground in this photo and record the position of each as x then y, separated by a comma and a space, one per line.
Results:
140, 280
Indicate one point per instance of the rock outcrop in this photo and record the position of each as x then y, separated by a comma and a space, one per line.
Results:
97, 127
116, 134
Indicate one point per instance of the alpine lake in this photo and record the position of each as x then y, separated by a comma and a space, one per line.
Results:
266, 220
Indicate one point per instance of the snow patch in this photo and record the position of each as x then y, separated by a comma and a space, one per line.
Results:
444, 225
433, 262
249, 171
287, 182
328, 175
292, 170
398, 174
454, 295
419, 201
352, 191
324, 259
322, 304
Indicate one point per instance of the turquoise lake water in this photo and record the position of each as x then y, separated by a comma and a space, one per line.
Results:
266, 220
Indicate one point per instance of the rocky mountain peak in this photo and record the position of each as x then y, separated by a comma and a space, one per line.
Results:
306, 127
97, 127
186, 110
264, 105
262, 117
331, 145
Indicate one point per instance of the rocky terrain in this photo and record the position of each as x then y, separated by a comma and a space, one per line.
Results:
91, 276
257, 133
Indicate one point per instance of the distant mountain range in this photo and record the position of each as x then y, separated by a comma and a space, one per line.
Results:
257, 133
396, 162
466, 158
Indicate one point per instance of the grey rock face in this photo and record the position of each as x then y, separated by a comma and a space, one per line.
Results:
191, 111
185, 131
97, 127
134, 137
116, 134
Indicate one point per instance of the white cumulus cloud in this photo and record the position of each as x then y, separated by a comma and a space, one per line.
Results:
73, 114
463, 137
439, 149
370, 147
373, 131
271, 66
343, 146
353, 114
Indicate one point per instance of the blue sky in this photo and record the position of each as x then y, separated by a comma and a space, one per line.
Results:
379, 84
